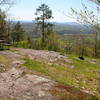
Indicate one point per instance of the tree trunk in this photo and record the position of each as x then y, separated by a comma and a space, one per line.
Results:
43, 35
96, 41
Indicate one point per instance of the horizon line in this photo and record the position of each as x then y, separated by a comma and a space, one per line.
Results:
50, 21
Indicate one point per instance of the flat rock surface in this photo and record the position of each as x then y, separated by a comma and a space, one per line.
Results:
17, 85
50, 56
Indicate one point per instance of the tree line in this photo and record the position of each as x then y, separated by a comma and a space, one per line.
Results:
48, 38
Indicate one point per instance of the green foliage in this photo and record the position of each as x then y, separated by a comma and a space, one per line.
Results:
3, 30
52, 42
34, 43
36, 66
89, 52
76, 44
17, 33
23, 44
89, 18
43, 12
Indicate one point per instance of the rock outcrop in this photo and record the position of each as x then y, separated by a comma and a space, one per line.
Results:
49, 57
14, 84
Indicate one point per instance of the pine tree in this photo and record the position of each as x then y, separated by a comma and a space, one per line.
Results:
44, 14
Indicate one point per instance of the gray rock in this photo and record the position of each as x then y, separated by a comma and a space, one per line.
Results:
15, 85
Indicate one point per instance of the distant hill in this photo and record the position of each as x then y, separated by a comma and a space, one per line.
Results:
72, 28
61, 28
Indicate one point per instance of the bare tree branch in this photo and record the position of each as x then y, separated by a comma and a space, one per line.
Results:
96, 1
6, 2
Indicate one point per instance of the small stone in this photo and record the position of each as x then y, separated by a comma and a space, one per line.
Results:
72, 66
2, 65
41, 94
50, 64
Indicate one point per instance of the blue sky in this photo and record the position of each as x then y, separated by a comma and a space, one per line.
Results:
25, 9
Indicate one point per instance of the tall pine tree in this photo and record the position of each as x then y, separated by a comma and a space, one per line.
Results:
44, 14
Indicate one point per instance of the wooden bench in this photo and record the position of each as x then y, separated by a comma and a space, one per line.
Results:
4, 45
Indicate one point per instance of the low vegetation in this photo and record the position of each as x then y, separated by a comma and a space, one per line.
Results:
4, 63
83, 75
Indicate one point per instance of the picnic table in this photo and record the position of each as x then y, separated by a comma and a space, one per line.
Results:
4, 45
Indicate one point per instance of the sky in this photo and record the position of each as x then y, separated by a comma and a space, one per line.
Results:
25, 9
